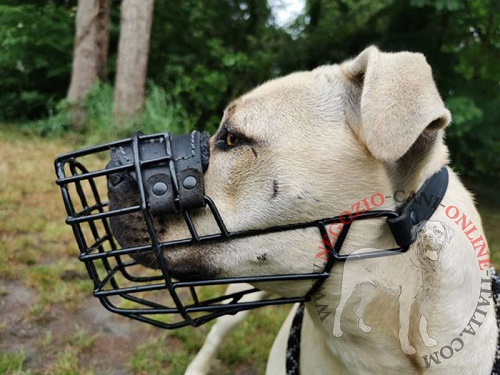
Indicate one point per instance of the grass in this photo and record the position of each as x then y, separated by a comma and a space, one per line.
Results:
37, 249
34, 243
151, 358
66, 361
12, 363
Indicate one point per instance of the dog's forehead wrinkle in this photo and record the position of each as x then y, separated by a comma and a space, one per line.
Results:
266, 112
249, 120
292, 94
292, 83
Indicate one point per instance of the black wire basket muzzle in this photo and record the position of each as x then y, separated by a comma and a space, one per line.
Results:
168, 173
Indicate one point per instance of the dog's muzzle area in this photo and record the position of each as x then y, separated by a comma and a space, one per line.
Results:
169, 186
121, 198
132, 231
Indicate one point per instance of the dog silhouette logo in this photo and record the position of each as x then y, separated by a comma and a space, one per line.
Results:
408, 276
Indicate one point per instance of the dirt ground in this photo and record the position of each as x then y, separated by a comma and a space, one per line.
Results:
116, 337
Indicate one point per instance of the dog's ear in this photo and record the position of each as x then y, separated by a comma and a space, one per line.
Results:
449, 232
399, 100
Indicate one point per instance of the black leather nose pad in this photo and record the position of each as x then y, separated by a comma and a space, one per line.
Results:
170, 171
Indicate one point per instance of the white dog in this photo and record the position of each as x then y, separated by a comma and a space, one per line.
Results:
309, 146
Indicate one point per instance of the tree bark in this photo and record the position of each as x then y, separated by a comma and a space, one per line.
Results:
102, 40
133, 48
90, 55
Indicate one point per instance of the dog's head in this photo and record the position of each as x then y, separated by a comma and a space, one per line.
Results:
304, 147
432, 238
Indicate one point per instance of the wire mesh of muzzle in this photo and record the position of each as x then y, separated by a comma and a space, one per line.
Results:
126, 287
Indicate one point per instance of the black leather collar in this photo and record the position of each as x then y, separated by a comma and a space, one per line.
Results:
413, 214
419, 208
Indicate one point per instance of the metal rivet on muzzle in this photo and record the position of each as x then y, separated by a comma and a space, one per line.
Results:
160, 188
189, 182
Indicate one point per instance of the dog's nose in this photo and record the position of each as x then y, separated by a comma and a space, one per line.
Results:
118, 159
114, 179
122, 188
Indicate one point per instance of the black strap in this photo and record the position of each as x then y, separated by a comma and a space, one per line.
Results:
171, 169
418, 209
495, 288
293, 345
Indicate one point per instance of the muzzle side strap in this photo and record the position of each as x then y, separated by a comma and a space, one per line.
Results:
418, 209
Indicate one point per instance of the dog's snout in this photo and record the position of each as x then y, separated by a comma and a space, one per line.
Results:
115, 178
118, 158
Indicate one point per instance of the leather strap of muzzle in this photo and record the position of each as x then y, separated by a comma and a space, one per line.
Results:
169, 168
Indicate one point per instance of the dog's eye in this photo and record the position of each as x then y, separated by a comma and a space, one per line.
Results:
231, 139
228, 139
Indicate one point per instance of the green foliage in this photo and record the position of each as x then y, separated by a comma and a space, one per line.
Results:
36, 41
207, 53
465, 115
161, 114
440, 5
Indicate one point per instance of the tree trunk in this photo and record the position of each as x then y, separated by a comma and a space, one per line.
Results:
90, 55
312, 29
133, 48
102, 39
